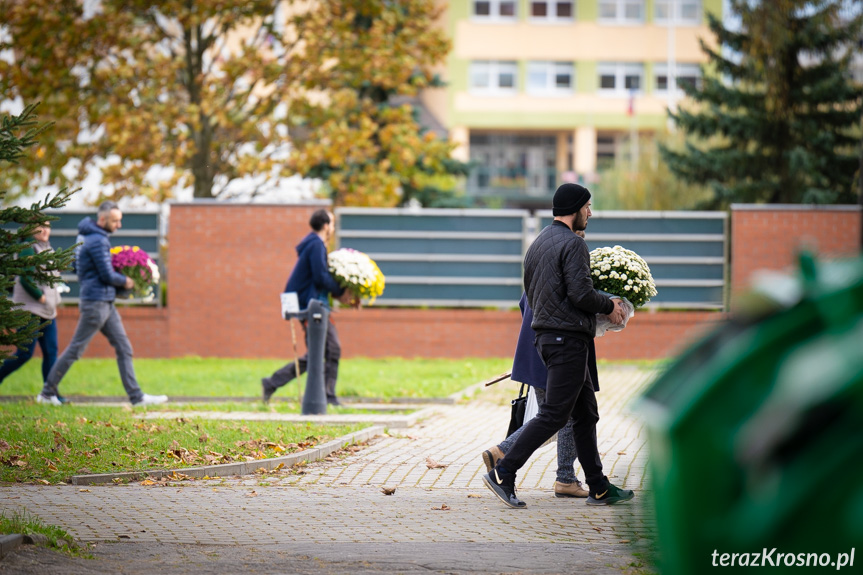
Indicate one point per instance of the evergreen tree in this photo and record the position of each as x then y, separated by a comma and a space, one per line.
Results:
776, 119
16, 229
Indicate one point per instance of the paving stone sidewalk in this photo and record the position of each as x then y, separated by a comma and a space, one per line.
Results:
338, 502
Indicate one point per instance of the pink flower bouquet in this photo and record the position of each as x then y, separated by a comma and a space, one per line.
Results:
133, 262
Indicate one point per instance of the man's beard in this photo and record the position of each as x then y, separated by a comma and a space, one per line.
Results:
580, 223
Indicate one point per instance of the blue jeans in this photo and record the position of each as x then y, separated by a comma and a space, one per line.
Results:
566, 452
95, 316
47, 343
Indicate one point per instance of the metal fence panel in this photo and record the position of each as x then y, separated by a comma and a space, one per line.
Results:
687, 251
441, 257
470, 258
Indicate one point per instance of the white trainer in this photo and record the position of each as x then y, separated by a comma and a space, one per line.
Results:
53, 400
147, 399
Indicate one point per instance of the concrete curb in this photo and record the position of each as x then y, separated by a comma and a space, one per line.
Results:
8, 543
392, 421
237, 468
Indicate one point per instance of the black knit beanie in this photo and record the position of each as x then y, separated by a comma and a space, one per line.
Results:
568, 199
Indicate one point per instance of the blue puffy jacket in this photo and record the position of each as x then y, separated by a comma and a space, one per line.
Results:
96, 275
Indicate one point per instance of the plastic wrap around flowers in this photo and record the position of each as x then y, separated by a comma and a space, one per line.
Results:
133, 262
624, 274
358, 272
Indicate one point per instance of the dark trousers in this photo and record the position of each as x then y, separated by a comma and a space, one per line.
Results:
569, 392
47, 341
332, 355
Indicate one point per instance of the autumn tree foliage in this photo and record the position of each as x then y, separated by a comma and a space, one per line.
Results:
776, 118
190, 86
355, 127
197, 93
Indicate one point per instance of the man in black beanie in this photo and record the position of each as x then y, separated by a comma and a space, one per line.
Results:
560, 293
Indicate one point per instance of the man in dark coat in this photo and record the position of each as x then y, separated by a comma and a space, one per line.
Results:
311, 279
560, 292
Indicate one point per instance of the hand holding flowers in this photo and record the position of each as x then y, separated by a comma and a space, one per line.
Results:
135, 264
623, 274
357, 273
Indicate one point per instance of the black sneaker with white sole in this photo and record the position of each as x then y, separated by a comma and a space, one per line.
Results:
503, 485
609, 496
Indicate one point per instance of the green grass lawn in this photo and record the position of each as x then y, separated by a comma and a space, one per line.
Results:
42, 443
216, 377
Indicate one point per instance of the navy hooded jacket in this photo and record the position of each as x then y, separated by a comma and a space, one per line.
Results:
311, 277
96, 275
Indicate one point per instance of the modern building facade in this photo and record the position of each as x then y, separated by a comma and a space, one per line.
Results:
544, 91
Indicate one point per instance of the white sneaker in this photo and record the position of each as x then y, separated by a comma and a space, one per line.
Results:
147, 399
49, 400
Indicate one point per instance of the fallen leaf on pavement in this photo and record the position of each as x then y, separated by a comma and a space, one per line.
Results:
443, 507
252, 494
597, 529
624, 540
388, 490
432, 464
84, 490
621, 453
474, 496
148, 482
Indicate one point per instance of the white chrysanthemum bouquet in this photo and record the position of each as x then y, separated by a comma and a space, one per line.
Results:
357, 272
624, 274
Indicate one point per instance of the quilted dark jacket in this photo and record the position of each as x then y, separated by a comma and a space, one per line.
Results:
558, 285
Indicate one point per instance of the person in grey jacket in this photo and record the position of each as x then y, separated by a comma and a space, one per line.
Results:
99, 282
564, 302
41, 302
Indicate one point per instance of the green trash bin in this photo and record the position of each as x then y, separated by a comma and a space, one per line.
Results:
756, 434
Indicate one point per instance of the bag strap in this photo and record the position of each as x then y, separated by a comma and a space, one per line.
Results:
521, 392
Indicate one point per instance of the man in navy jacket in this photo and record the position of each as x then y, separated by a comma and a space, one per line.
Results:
99, 282
311, 279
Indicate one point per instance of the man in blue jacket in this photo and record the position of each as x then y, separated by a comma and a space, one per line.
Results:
311, 279
96, 311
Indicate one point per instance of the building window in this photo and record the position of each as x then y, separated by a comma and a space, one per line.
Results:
550, 77
553, 11
677, 12
620, 78
686, 74
621, 11
494, 10
493, 77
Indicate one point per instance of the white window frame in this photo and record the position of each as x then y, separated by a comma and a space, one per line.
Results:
619, 8
494, 69
495, 15
680, 71
551, 11
550, 71
676, 11
620, 71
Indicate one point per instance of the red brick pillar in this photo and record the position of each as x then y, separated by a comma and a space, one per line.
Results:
227, 265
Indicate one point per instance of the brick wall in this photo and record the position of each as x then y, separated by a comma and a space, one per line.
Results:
227, 264
768, 237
